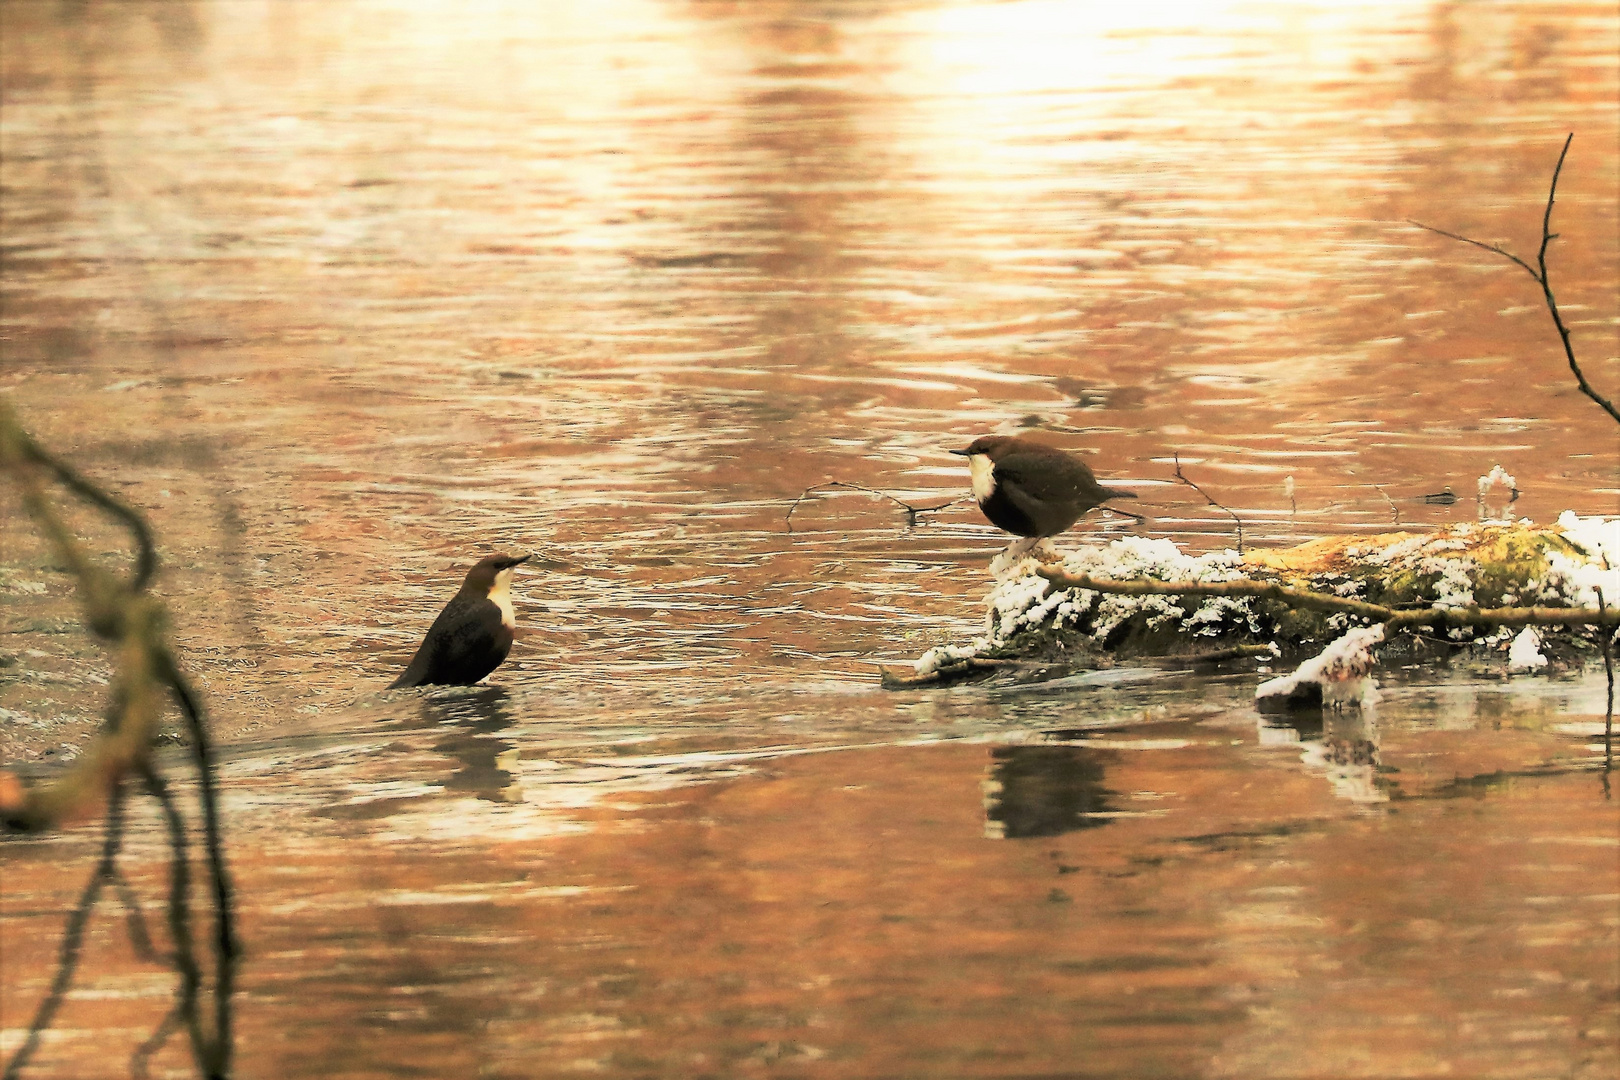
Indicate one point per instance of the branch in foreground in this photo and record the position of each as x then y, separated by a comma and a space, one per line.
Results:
146, 674
19, 448
67, 960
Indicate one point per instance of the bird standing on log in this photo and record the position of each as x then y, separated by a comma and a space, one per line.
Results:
473, 634
1031, 489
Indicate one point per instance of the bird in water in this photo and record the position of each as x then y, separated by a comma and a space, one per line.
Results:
1031, 489
473, 634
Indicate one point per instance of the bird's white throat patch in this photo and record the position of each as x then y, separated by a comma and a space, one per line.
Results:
982, 470
501, 596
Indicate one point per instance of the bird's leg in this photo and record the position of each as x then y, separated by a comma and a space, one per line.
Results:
1007, 562
1021, 547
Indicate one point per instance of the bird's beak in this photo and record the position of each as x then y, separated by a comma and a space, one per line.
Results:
514, 562
961, 453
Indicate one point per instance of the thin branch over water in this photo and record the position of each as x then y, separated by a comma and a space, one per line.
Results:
1539, 273
1211, 499
911, 511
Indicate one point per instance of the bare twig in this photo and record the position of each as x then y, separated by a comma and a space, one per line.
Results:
26, 449
67, 961
893, 680
140, 938
180, 915
1488, 247
134, 623
1394, 511
944, 671
1607, 636
1392, 618
142, 1056
226, 948
1213, 656
1539, 273
1235, 519
911, 511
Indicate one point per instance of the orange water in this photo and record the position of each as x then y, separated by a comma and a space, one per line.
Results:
346, 294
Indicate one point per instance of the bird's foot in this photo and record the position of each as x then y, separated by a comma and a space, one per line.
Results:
1044, 551
1014, 557
1039, 548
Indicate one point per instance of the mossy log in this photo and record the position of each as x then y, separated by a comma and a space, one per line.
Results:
1144, 599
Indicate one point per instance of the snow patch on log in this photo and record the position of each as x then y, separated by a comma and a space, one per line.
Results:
1339, 677
1021, 600
1525, 652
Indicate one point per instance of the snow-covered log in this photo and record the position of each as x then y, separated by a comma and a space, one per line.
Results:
1469, 585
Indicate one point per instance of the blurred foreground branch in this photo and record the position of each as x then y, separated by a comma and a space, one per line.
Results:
132, 623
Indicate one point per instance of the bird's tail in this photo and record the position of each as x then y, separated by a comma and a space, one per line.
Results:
407, 678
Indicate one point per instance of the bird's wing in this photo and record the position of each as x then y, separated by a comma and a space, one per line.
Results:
1043, 478
443, 647
476, 624
1053, 489
1049, 477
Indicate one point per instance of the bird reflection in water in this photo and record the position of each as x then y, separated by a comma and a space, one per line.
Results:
489, 765
1342, 745
1043, 791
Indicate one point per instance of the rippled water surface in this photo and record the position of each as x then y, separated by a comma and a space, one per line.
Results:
344, 295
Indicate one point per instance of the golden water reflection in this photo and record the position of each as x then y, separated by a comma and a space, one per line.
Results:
342, 294
1172, 898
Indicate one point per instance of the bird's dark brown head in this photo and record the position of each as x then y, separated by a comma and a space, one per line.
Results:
989, 445
481, 578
